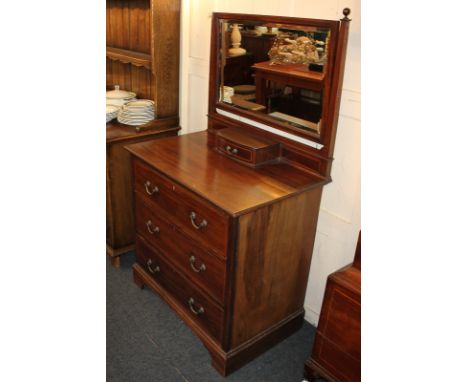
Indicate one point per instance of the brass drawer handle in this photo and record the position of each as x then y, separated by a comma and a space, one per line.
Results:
148, 186
156, 268
151, 230
193, 216
195, 311
193, 260
231, 150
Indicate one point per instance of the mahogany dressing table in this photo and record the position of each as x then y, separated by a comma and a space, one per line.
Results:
226, 218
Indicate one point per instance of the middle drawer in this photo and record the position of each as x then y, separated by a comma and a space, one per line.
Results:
204, 269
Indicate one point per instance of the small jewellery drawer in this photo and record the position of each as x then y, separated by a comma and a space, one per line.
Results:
246, 147
197, 218
190, 298
233, 150
204, 269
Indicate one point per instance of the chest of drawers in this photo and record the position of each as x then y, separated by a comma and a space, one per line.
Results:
228, 247
336, 354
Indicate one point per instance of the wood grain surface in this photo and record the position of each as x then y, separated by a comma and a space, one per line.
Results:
142, 38
227, 184
275, 246
120, 217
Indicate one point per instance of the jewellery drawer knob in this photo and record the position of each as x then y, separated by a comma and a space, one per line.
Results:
150, 191
193, 217
151, 230
193, 260
154, 270
194, 310
231, 150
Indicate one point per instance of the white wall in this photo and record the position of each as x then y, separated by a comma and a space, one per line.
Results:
340, 217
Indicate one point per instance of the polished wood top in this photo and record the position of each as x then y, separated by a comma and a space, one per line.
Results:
300, 71
233, 187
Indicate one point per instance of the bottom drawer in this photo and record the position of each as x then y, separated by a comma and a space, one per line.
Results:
340, 364
201, 307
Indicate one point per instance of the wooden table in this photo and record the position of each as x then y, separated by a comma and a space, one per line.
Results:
295, 75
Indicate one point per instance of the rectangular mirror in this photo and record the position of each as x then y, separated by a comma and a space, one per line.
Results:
275, 70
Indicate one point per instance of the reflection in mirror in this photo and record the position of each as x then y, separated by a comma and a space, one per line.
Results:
276, 70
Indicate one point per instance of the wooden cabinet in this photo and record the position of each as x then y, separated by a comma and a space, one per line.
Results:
142, 56
227, 246
226, 218
336, 353
142, 38
120, 221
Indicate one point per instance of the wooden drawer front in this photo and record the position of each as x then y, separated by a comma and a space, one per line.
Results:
190, 298
341, 322
344, 367
197, 218
233, 150
245, 147
204, 269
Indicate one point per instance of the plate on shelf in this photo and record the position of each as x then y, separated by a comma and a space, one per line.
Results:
139, 122
145, 103
136, 112
135, 123
135, 119
110, 109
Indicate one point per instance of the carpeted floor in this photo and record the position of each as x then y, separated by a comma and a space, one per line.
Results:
146, 341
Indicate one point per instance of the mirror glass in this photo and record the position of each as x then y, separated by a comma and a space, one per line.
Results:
274, 70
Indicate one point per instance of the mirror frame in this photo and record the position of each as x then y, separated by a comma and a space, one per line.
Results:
329, 79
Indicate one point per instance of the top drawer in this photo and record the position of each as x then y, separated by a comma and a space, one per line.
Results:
197, 218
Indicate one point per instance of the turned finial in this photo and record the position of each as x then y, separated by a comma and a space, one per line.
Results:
346, 13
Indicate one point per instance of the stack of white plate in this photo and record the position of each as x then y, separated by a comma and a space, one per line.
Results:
136, 112
111, 112
119, 97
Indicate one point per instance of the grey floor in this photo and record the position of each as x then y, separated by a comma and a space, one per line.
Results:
146, 341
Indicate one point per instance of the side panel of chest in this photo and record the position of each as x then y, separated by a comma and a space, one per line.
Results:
274, 250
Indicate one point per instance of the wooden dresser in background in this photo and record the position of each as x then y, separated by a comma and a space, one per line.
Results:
336, 354
120, 220
142, 56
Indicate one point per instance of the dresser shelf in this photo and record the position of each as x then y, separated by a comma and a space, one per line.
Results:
142, 50
116, 131
129, 57
140, 36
